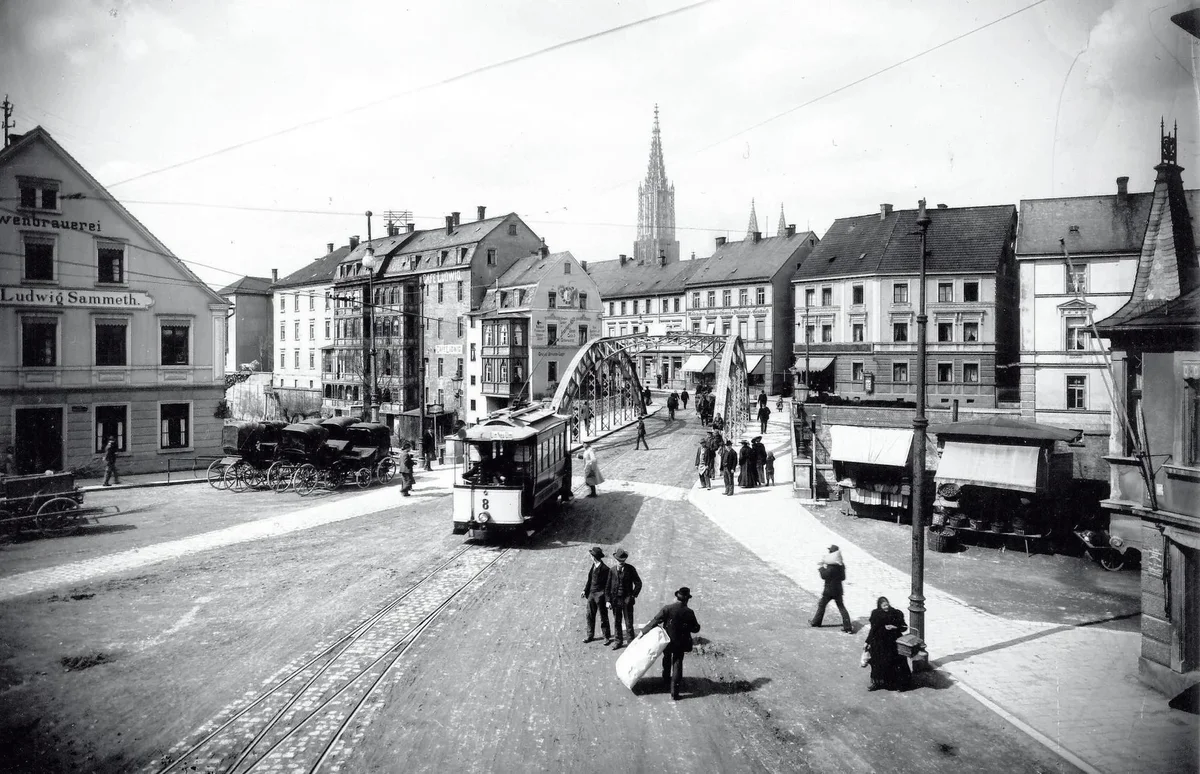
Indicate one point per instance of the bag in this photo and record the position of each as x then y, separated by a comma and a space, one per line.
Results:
640, 655
866, 658
823, 570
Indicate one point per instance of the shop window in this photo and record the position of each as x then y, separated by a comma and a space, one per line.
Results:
39, 258
856, 295
1077, 392
945, 293
112, 422
899, 331
971, 292
111, 260
856, 332
900, 372
971, 373
39, 342
551, 335
110, 343
970, 331
945, 372
1077, 334
900, 293
175, 343
945, 331
856, 372
174, 425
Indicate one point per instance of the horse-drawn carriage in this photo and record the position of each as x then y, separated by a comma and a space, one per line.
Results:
361, 456
49, 503
250, 448
299, 444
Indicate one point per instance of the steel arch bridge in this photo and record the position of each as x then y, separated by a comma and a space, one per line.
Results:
603, 374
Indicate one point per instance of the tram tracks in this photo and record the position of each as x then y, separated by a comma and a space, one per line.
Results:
303, 720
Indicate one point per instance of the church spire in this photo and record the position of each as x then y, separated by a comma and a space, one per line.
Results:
656, 207
782, 230
752, 227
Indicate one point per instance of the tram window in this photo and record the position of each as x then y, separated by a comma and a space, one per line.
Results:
522, 454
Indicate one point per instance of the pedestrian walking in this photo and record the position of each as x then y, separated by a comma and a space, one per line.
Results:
585, 413
624, 585
770, 469
407, 479
110, 461
679, 621
729, 461
428, 447
705, 457
683, 398
833, 572
762, 398
595, 591
889, 669
760, 460
658, 381
591, 469
764, 414
641, 434
646, 395
672, 404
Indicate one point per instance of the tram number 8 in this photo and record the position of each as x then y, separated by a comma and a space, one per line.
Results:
485, 503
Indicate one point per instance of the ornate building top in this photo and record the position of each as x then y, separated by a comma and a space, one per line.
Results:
656, 208
752, 226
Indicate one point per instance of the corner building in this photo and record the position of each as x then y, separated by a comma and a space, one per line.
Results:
103, 331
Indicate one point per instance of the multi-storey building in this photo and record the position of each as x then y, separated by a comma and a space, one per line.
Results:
646, 296
248, 324
523, 336
656, 208
745, 288
1077, 259
425, 284
104, 332
856, 302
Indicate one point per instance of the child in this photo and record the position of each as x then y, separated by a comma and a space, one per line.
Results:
770, 468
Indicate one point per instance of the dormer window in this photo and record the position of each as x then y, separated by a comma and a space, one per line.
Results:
38, 194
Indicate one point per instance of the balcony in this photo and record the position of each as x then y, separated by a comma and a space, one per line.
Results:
503, 389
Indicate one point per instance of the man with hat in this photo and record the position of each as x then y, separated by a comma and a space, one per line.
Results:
729, 462
833, 571
624, 584
679, 621
706, 458
594, 592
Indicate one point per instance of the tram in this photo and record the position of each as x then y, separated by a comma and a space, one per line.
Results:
515, 466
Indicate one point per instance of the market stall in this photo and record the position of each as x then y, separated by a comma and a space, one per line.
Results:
872, 469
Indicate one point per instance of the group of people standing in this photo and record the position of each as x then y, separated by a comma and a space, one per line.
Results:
750, 466
616, 588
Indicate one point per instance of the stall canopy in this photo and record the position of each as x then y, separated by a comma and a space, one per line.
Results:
1004, 427
817, 364
700, 364
756, 364
871, 445
990, 464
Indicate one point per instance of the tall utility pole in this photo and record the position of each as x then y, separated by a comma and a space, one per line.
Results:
8, 111
916, 600
421, 355
370, 262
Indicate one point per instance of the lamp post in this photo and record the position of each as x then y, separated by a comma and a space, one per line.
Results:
916, 600
370, 262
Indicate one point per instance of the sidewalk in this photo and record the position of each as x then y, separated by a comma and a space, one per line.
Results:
1074, 689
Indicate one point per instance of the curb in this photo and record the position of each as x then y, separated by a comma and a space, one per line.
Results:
102, 488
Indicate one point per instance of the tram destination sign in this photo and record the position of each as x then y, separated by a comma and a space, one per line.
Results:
78, 297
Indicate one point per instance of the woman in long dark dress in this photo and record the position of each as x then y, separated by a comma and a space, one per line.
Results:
888, 668
744, 455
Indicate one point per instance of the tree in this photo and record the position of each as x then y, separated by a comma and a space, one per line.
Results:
296, 403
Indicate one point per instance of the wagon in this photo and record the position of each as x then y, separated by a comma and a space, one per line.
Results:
372, 450
49, 503
299, 444
339, 427
250, 448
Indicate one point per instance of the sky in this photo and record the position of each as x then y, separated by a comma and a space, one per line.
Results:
248, 134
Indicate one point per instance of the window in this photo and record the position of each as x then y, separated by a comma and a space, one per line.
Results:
583, 334
612, 330
810, 333
970, 331
696, 300
622, 307
512, 229
312, 331
826, 332
312, 302
551, 335
900, 293
945, 292
583, 301
743, 296
110, 343
472, 353
503, 371
441, 292
38, 194
460, 290
611, 308
1191, 419
111, 422
711, 298
856, 372
760, 296
1077, 392
566, 267
695, 326
900, 330
462, 255
296, 303
725, 327
459, 330
441, 366
442, 258
111, 264
312, 359
675, 304
174, 421
1078, 335
296, 331
971, 373
491, 254
327, 329
503, 298
1076, 278
295, 361
502, 334
945, 372
39, 342
326, 301
760, 329
856, 332
742, 326
552, 371
900, 372
635, 307
39, 258
826, 296
283, 331
856, 294
945, 331
175, 343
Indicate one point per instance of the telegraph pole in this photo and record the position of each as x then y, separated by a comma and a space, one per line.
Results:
8, 111
421, 355
916, 600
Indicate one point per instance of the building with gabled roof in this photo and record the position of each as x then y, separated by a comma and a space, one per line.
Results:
248, 324
108, 333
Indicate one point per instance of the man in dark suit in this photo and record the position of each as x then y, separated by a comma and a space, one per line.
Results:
594, 592
729, 464
680, 623
624, 584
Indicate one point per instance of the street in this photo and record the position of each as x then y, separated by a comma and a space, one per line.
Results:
375, 646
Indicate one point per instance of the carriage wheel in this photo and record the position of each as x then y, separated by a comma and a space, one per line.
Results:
363, 477
255, 478
333, 478
235, 477
55, 515
216, 474
279, 476
304, 479
385, 471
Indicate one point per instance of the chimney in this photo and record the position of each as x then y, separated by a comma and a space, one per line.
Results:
479, 212
583, 265
353, 242
543, 250
623, 259
1123, 186
884, 211
412, 227
455, 216
392, 230
449, 225
275, 274
791, 230
720, 241
328, 247
757, 237
662, 259
942, 207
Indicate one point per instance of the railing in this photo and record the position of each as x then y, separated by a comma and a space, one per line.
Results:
197, 467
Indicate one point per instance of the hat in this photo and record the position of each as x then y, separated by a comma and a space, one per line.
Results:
756, 439
745, 442
832, 549
596, 552
620, 553
683, 593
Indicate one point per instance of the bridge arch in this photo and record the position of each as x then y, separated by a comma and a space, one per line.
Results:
603, 374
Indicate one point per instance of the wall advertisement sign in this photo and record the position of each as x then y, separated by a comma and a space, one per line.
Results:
80, 298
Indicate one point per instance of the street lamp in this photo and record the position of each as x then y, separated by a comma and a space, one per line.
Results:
916, 600
370, 262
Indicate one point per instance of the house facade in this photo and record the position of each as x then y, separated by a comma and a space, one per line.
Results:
857, 294
108, 334
248, 324
527, 330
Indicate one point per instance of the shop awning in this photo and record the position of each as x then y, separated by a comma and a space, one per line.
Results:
817, 364
756, 364
989, 464
871, 445
700, 364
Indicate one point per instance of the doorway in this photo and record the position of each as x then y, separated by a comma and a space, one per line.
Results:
38, 440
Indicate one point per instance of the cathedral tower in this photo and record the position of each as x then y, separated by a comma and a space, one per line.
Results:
656, 208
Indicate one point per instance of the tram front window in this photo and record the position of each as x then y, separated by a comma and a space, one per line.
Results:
494, 463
